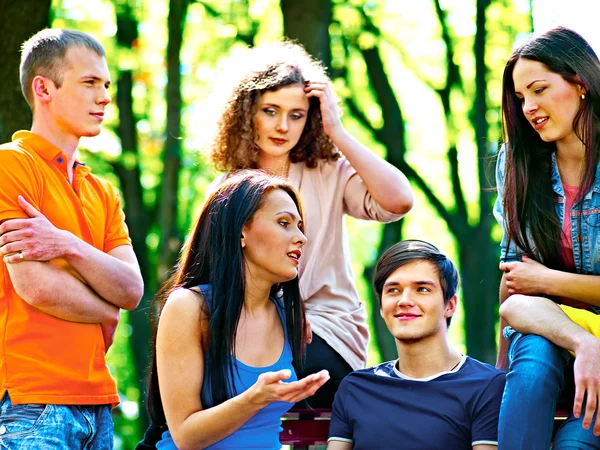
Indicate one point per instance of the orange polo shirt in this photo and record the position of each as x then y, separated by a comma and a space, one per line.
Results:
44, 359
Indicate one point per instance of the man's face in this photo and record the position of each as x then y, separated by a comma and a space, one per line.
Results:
77, 107
412, 303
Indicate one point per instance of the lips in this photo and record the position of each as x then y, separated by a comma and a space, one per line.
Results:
294, 255
406, 316
539, 122
278, 141
98, 115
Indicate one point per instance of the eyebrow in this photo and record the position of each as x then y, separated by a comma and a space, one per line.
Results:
414, 283
95, 78
274, 105
529, 85
290, 214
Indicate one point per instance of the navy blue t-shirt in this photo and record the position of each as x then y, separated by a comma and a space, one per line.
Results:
382, 408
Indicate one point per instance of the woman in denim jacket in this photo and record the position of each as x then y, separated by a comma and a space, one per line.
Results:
548, 179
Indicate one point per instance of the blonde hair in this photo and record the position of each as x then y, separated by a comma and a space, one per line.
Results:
43, 54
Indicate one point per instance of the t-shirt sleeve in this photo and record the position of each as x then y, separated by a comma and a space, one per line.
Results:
358, 202
340, 428
117, 233
508, 250
484, 429
19, 177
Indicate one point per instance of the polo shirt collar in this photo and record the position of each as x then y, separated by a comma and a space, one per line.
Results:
49, 152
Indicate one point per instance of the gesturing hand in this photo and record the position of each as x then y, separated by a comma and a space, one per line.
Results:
525, 277
270, 387
31, 239
329, 109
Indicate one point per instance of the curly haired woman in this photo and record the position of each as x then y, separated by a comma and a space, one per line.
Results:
282, 117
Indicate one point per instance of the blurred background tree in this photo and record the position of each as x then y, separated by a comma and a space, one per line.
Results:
419, 83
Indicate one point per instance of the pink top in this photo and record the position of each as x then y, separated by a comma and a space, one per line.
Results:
334, 309
566, 241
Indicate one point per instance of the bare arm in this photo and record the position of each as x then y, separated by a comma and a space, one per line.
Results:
538, 315
386, 184
485, 447
114, 276
502, 359
339, 445
180, 362
62, 295
532, 278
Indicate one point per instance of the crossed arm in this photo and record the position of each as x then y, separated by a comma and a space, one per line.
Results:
105, 283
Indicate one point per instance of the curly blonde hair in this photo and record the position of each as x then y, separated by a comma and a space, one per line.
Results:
268, 68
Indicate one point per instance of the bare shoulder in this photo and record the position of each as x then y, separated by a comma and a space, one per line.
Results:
184, 302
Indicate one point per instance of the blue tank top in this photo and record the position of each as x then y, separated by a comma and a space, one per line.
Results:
262, 430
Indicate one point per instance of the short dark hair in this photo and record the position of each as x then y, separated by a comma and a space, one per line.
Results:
43, 54
412, 250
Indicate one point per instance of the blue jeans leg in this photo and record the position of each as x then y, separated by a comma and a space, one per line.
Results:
54, 427
535, 377
571, 435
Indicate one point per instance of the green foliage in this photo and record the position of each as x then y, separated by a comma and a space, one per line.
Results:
409, 36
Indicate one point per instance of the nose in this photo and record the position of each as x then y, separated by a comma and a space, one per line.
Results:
405, 298
282, 124
529, 105
104, 98
300, 239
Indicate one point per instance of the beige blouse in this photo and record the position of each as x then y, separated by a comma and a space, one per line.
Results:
334, 309
336, 313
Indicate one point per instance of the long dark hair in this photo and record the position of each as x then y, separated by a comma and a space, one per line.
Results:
528, 195
213, 255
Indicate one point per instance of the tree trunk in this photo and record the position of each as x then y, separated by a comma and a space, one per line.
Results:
308, 22
23, 19
478, 261
170, 240
137, 215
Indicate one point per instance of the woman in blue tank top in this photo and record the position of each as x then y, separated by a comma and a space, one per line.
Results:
231, 326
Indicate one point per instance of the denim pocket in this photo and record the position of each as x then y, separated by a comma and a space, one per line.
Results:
20, 420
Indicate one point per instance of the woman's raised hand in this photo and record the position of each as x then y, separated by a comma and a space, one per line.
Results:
270, 387
329, 109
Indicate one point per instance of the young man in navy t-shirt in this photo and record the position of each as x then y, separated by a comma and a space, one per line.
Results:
431, 397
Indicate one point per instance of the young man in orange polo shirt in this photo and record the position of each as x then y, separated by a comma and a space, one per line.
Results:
67, 262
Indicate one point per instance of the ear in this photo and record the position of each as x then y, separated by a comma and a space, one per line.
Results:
42, 88
451, 307
243, 240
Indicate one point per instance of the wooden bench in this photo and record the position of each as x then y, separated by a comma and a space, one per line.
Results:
304, 427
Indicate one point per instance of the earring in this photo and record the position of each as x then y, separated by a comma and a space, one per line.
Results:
582, 96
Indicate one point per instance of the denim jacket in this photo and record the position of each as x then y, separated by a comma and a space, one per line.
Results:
586, 246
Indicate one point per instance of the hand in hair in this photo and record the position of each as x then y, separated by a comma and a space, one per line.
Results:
329, 110
527, 277
270, 387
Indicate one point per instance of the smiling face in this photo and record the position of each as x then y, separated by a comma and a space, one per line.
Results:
412, 303
273, 239
77, 107
549, 102
279, 122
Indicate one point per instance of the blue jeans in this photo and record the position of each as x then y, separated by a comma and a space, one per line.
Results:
55, 427
535, 379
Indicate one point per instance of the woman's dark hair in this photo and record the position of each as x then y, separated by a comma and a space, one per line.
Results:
528, 195
267, 68
412, 250
213, 255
